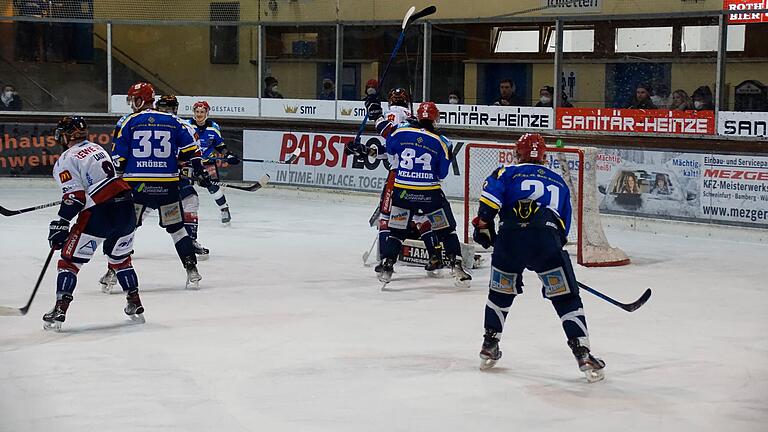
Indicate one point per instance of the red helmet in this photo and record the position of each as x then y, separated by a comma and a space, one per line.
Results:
531, 148
428, 111
399, 97
203, 104
372, 83
141, 95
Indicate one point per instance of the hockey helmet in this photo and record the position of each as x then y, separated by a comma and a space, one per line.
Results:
70, 129
399, 97
531, 148
167, 103
141, 96
428, 111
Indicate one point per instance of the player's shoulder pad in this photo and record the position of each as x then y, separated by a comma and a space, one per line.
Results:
215, 125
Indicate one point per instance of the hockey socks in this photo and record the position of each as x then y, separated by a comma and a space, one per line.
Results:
496, 310
571, 313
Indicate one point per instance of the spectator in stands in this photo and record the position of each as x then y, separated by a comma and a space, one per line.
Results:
660, 186
10, 100
328, 91
270, 88
629, 185
660, 96
546, 96
454, 97
702, 99
508, 94
642, 99
370, 87
680, 101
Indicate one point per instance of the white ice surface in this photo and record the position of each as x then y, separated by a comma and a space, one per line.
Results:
291, 333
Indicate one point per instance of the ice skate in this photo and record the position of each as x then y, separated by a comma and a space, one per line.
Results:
592, 366
387, 268
200, 251
226, 217
434, 265
133, 307
490, 353
108, 281
53, 319
463, 278
193, 276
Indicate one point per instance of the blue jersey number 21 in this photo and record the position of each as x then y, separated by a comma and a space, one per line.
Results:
538, 192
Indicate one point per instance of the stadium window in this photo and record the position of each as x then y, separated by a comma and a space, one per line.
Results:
575, 41
515, 41
225, 40
643, 39
704, 38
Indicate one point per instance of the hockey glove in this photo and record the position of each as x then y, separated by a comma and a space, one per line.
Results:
58, 231
355, 148
232, 158
374, 110
484, 233
204, 179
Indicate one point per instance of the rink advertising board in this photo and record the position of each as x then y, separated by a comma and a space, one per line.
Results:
31, 149
636, 121
496, 117
220, 106
742, 124
303, 109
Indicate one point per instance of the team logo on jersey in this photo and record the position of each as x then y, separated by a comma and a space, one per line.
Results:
541, 172
151, 119
65, 176
419, 140
505, 283
555, 283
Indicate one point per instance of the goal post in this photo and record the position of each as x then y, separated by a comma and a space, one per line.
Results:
577, 167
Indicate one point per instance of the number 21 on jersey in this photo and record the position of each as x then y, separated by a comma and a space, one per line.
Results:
539, 191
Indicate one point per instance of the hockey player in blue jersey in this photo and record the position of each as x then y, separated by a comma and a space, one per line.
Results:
211, 145
147, 151
423, 159
534, 209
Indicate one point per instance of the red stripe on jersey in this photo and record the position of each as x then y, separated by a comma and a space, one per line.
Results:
110, 190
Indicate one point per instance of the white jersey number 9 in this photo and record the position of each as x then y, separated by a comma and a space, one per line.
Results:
407, 160
146, 147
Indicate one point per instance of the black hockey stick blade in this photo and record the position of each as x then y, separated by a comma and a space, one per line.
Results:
629, 307
249, 188
429, 10
6, 212
12, 311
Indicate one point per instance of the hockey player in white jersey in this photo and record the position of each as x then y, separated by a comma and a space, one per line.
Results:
103, 204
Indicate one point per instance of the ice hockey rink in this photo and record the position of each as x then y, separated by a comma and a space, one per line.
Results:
290, 332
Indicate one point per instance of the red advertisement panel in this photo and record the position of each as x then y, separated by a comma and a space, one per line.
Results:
637, 121
744, 10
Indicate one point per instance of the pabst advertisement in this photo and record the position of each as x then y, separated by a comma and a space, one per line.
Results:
743, 124
691, 186
744, 11
322, 162
636, 121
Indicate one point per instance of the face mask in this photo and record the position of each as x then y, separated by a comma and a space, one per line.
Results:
370, 91
545, 100
453, 100
698, 105
8, 94
656, 100
274, 89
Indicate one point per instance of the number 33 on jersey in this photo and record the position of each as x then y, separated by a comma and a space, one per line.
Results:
149, 144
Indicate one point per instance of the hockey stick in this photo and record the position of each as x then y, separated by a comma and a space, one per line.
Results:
374, 217
289, 160
366, 255
629, 307
248, 188
12, 311
5, 212
409, 18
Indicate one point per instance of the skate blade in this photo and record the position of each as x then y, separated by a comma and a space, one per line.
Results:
462, 283
594, 375
486, 364
137, 318
54, 326
193, 285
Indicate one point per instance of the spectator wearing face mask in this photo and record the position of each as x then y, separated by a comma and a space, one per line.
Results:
660, 96
370, 88
270, 88
454, 97
642, 98
10, 100
702, 99
680, 101
546, 98
328, 91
